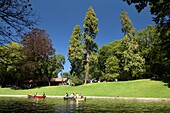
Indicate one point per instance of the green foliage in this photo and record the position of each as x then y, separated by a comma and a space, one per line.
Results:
66, 75
106, 53
127, 27
11, 59
132, 61
52, 66
112, 68
82, 49
75, 55
150, 46
94, 72
161, 12
90, 32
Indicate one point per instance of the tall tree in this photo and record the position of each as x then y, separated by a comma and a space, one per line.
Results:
161, 12
16, 17
75, 52
132, 60
127, 27
155, 60
90, 32
37, 46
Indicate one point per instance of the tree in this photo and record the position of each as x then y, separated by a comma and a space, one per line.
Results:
158, 8
11, 59
150, 48
75, 52
132, 60
94, 72
52, 66
161, 12
16, 17
66, 75
127, 27
37, 46
90, 32
107, 53
112, 68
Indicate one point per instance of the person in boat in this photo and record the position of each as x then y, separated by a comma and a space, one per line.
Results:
81, 95
72, 95
44, 94
35, 94
66, 95
77, 95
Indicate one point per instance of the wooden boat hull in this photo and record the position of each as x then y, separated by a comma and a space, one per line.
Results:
38, 96
71, 98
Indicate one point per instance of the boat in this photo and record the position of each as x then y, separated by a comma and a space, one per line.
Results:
80, 99
72, 98
37, 96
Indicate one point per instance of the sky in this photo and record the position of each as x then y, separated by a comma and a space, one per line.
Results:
59, 17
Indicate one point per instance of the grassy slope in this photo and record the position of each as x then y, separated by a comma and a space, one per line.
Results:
138, 88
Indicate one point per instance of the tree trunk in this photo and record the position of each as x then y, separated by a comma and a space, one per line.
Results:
87, 67
49, 83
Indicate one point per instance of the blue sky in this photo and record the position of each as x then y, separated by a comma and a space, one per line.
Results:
58, 18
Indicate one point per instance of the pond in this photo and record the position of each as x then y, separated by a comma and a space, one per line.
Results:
53, 105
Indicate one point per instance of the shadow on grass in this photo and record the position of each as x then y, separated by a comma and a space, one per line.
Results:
165, 80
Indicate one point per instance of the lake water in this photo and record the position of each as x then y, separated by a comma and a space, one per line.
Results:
52, 105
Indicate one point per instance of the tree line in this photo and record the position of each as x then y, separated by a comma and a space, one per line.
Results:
138, 54
33, 59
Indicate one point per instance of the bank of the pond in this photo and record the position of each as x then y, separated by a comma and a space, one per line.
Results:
144, 88
97, 97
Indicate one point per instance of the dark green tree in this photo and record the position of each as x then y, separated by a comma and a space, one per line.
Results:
131, 58
75, 53
90, 32
110, 55
52, 66
155, 60
161, 16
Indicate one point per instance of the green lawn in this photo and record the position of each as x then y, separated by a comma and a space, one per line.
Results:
137, 88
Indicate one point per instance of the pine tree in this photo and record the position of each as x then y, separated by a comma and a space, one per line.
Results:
132, 61
127, 27
75, 51
90, 32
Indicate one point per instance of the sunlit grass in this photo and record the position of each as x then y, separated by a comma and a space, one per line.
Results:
137, 88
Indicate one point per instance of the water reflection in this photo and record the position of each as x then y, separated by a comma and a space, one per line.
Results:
48, 105
70, 106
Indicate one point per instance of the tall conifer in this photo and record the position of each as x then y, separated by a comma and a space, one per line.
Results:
75, 55
90, 32
132, 61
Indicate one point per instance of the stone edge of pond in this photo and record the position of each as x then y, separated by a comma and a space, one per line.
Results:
98, 97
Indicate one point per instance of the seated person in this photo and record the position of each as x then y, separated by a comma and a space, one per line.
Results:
81, 95
66, 95
72, 95
44, 94
77, 95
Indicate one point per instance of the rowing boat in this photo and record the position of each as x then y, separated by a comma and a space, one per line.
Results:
71, 98
37, 96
